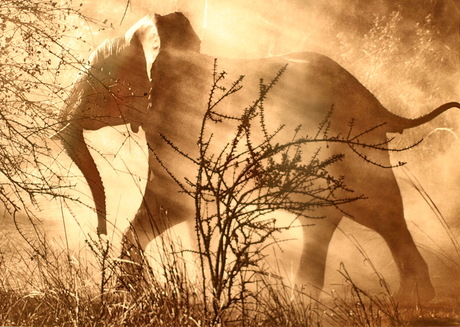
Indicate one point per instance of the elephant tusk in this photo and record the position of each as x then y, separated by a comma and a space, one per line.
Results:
57, 136
135, 127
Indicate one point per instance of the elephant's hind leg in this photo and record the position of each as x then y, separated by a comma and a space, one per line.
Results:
383, 212
415, 282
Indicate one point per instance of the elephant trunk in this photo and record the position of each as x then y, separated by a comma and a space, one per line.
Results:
74, 143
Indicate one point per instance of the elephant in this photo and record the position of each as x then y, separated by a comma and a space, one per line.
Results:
112, 90
161, 56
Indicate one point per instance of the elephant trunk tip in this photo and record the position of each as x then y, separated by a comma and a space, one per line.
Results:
102, 230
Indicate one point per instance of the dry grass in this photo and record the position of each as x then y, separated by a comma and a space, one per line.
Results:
48, 286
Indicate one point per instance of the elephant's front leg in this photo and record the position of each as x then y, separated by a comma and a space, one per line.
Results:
162, 207
149, 222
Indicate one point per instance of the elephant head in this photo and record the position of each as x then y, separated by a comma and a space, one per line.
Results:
112, 90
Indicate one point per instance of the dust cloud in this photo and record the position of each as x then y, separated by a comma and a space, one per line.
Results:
406, 53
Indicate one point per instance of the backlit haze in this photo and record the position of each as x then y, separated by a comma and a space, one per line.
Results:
407, 56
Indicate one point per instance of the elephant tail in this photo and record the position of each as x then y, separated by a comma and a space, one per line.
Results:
400, 124
74, 143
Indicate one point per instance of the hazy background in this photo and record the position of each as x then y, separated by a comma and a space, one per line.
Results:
406, 53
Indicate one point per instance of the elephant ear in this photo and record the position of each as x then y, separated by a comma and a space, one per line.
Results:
144, 37
176, 33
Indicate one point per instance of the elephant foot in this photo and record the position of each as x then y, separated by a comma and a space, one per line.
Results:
134, 277
308, 291
416, 292
133, 268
